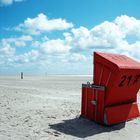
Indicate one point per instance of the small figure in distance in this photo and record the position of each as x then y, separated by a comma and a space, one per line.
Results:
21, 75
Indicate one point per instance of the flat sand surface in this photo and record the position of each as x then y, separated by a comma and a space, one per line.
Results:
48, 108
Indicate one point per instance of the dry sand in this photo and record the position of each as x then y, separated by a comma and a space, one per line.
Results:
48, 108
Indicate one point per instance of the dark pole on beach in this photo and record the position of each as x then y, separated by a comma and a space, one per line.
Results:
21, 75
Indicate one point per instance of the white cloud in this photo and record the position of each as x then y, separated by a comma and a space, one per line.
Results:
76, 57
17, 41
41, 23
76, 46
128, 25
58, 50
134, 50
29, 57
105, 35
9, 2
108, 36
6, 54
6, 50
55, 47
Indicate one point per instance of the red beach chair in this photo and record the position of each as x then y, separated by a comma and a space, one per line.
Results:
113, 96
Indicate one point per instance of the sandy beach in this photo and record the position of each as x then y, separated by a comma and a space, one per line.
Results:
48, 108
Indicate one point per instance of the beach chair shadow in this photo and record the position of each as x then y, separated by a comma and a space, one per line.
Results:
82, 128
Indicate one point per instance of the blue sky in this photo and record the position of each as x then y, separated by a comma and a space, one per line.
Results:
59, 37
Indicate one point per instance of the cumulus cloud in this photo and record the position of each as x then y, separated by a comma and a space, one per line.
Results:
8, 2
17, 41
109, 36
128, 25
29, 57
6, 54
105, 35
58, 49
76, 57
54, 47
8, 46
6, 50
41, 24
76, 45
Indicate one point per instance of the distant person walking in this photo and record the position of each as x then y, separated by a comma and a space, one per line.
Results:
21, 75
